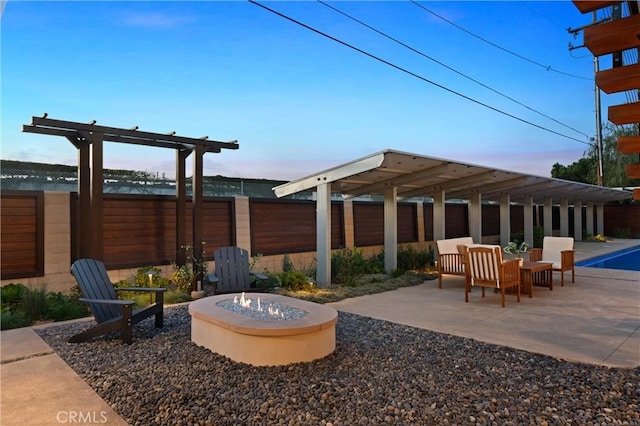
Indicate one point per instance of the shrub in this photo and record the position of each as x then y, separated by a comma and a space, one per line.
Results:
13, 319
294, 281
11, 296
34, 302
61, 307
346, 265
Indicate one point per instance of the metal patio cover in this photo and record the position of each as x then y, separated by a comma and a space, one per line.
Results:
416, 175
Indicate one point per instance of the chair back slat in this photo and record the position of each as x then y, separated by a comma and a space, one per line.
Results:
484, 266
232, 269
93, 280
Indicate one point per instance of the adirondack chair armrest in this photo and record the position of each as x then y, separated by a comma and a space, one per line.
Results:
141, 289
212, 278
258, 275
107, 301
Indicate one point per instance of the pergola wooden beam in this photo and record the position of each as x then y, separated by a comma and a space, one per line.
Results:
89, 138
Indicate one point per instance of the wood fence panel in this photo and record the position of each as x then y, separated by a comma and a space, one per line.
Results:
368, 224
289, 226
407, 223
22, 234
457, 220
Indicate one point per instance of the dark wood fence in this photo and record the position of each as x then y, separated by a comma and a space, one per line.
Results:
22, 234
140, 230
289, 226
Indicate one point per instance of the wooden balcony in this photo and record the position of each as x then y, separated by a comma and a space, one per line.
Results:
619, 79
625, 113
629, 144
586, 6
613, 36
633, 171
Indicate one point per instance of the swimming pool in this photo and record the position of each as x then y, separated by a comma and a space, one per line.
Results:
628, 260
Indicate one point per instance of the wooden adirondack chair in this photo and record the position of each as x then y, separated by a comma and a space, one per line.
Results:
232, 274
110, 313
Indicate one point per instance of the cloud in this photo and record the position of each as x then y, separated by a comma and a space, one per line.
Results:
155, 20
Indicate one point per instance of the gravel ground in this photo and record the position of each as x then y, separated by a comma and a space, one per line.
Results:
380, 373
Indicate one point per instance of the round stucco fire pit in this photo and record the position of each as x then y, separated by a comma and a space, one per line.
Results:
229, 330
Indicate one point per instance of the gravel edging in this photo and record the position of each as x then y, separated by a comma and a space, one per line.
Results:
380, 373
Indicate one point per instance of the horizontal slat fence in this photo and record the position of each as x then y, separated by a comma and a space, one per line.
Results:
140, 230
289, 226
22, 234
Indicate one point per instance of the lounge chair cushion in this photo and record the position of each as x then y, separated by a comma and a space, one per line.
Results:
552, 247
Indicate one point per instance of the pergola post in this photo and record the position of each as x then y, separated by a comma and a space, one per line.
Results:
323, 234
181, 206
97, 184
197, 206
84, 200
390, 229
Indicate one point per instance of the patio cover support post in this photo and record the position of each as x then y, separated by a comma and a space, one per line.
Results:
420, 220
564, 217
390, 229
181, 206
548, 217
577, 220
600, 218
323, 234
528, 220
349, 235
197, 206
438, 216
475, 216
589, 225
505, 219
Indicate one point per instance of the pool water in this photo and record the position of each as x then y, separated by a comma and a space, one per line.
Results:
628, 260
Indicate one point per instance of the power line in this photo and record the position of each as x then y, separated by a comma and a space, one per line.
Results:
372, 56
546, 67
448, 67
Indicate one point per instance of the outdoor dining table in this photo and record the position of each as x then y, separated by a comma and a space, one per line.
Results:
535, 273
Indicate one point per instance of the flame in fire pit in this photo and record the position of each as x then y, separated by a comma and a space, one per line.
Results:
249, 304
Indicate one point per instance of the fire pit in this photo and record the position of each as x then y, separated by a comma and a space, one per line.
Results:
276, 330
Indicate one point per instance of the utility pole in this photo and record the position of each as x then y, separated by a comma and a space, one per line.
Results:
596, 68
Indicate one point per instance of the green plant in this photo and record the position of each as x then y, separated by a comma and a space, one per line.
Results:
294, 280
287, 264
624, 233
34, 302
175, 296
346, 265
195, 269
13, 319
516, 249
61, 307
11, 296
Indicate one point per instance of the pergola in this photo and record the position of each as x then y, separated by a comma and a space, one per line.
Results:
88, 138
400, 175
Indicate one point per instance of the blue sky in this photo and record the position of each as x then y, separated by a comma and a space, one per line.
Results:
296, 101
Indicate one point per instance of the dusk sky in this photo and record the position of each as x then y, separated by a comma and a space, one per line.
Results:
298, 101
